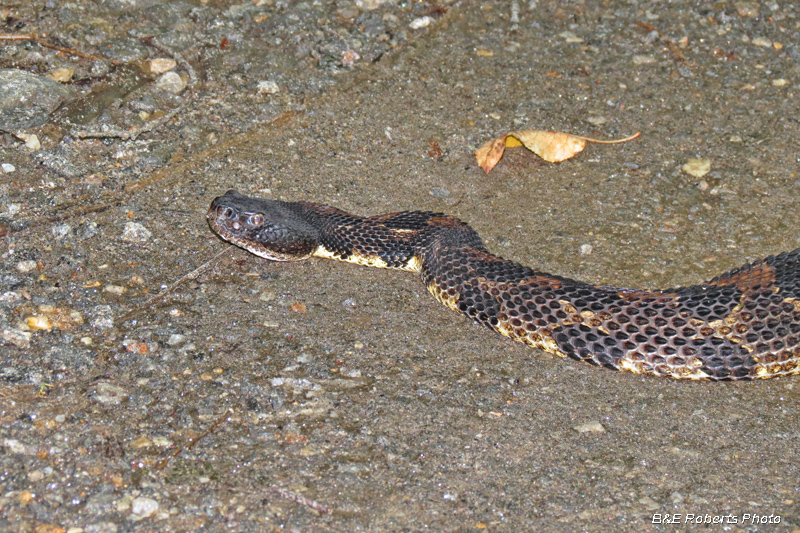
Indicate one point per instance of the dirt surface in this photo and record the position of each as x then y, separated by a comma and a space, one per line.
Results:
154, 379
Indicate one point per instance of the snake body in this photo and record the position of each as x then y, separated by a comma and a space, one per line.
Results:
744, 324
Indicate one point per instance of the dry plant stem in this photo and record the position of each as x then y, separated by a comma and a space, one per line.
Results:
66, 212
670, 44
612, 141
71, 51
299, 498
190, 276
156, 123
188, 446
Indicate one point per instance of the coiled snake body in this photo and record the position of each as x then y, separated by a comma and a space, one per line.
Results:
744, 324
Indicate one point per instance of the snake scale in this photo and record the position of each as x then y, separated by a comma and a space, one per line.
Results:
744, 324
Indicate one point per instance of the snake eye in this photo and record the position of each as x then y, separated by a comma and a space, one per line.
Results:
255, 220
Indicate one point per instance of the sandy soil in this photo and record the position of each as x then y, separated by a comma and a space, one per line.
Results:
204, 387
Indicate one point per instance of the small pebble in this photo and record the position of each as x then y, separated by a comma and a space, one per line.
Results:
144, 506
585, 249
590, 427
31, 142
176, 339
141, 442
15, 446
649, 503
102, 317
439, 192
121, 506
115, 289
39, 322
268, 87
135, 232
298, 307
421, 22
162, 442
61, 230
349, 58
162, 65
643, 60
697, 167
109, 394
10, 296
26, 266
266, 296
171, 82
570, 38
62, 75
188, 347
8, 167
135, 347
369, 5
747, 8
19, 338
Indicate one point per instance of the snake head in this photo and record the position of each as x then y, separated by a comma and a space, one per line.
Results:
271, 229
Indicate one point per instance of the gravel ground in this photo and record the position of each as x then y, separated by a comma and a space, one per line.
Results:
154, 379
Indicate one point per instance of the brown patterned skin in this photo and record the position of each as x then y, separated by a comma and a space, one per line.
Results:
744, 324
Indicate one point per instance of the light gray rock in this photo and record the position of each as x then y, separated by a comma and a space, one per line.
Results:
26, 100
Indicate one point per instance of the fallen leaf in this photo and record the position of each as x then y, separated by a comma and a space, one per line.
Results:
552, 146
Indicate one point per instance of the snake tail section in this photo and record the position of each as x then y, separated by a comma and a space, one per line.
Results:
744, 324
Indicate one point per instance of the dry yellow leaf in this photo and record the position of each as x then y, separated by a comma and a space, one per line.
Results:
552, 146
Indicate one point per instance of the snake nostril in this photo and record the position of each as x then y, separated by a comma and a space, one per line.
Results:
228, 213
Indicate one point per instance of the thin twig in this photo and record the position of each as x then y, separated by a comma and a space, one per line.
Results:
670, 43
65, 212
302, 500
191, 442
71, 51
190, 276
